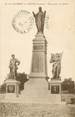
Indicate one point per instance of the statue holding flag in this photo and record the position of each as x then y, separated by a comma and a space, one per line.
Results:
56, 67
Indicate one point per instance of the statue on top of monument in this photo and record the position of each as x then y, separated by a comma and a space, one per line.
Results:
56, 67
13, 65
39, 20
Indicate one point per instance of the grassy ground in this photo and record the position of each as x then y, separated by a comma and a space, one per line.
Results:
67, 97
36, 110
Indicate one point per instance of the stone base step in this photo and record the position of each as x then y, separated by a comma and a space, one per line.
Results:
51, 99
35, 91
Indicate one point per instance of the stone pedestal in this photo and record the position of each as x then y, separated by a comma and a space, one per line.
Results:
39, 57
55, 86
12, 88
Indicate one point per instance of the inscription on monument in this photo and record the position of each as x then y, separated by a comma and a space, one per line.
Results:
37, 65
38, 47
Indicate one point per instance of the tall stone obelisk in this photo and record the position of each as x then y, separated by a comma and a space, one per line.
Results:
36, 89
39, 55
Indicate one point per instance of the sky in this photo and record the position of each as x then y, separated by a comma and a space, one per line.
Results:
59, 32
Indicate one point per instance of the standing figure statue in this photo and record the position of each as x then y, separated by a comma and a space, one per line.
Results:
56, 67
39, 20
13, 66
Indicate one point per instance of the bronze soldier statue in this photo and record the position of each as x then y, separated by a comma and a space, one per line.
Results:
39, 20
13, 66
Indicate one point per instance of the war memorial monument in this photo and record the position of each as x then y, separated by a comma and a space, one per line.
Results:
39, 88
41, 95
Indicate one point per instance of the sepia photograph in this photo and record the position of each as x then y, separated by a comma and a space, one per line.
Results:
37, 58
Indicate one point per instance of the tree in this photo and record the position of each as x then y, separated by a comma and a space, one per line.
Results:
68, 84
22, 77
3, 88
